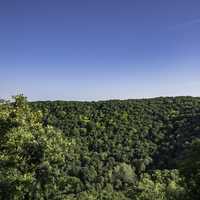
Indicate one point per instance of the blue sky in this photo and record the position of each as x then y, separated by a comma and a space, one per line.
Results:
99, 49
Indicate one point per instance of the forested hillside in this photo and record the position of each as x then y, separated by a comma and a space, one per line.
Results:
146, 149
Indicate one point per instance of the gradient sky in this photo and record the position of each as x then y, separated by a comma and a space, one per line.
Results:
99, 49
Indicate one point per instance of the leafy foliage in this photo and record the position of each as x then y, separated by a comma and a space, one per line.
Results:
32, 157
133, 150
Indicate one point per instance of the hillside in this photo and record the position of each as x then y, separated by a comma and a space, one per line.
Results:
127, 149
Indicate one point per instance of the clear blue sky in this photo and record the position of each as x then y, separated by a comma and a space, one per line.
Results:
99, 49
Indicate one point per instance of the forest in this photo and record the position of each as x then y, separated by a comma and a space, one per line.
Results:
142, 149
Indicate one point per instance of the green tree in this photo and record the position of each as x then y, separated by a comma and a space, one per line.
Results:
123, 174
32, 157
190, 167
161, 185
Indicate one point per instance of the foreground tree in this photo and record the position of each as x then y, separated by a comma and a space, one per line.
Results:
32, 157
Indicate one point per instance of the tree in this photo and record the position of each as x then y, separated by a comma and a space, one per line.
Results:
123, 174
161, 185
32, 157
190, 167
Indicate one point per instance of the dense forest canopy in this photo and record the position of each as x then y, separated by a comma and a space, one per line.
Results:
146, 149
